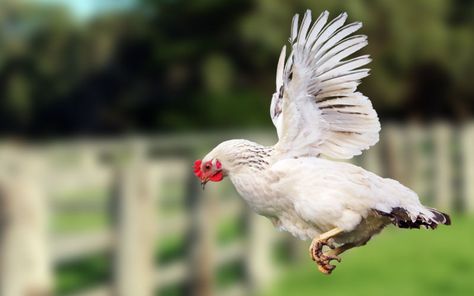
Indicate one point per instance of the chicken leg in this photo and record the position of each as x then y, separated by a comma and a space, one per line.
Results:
323, 260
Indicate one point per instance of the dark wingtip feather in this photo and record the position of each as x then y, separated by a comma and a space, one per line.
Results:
448, 219
440, 217
400, 217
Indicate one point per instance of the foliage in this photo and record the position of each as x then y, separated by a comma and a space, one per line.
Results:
174, 65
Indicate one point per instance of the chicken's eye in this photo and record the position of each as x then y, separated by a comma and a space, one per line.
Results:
207, 166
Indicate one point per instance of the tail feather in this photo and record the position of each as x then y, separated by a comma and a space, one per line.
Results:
401, 218
440, 217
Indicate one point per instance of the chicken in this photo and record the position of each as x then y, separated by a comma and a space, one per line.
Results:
318, 112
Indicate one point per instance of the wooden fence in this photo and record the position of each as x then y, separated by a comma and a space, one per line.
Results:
146, 189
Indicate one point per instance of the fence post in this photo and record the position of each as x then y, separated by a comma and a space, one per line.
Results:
371, 160
419, 161
443, 172
24, 258
467, 156
395, 157
204, 253
133, 212
261, 267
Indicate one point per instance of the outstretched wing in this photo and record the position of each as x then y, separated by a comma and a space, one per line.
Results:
316, 108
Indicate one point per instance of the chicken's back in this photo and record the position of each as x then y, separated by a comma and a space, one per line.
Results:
326, 194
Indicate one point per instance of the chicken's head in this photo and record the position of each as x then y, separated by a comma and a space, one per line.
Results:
210, 170
220, 162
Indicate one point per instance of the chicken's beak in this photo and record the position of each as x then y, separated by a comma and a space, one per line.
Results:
203, 183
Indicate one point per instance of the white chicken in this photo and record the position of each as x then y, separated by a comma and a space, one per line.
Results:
317, 111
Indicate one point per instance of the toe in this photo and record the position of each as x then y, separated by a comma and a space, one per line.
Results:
331, 243
313, 253
337, 258
324, 270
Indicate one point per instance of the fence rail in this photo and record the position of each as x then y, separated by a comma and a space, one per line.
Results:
145, 189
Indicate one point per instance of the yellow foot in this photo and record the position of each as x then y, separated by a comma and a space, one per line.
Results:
323, 260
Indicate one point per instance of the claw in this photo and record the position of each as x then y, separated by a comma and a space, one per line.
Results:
323, 260
326, 268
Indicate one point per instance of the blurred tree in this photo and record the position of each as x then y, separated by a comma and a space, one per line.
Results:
171, 65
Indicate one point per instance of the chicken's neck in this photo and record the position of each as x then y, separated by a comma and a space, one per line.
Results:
248, 175
251, 157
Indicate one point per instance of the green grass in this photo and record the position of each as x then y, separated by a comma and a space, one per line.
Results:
86, 272
88, 194
229, 273
67, 221
79, 222
170, 249
229, 229
397, 262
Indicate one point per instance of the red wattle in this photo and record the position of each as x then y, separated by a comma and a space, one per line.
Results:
217, 177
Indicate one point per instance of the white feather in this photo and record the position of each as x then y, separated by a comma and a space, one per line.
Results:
330, 29
294, 28
321, 113
280, 67
346, 66
338, 36
305, 23
316, 28
330, 61
359, 39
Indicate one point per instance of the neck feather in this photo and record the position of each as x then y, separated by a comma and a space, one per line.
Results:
250, 155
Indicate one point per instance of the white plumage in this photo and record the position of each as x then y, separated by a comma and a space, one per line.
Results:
320, 111
317, 110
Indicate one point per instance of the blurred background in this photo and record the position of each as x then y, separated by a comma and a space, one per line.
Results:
105, 104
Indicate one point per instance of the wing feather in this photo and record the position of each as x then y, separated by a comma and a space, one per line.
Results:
305, 23
316, 107
343, 44
280, 67
329, 61
338, 36
316, 28
294, 28
346, 66
329, 30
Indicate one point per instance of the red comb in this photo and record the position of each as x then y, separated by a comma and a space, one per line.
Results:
197, 168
